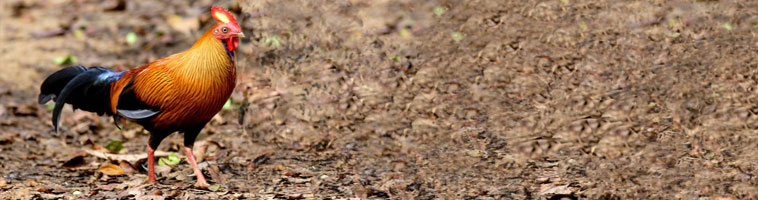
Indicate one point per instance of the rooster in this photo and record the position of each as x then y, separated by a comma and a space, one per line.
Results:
178, 93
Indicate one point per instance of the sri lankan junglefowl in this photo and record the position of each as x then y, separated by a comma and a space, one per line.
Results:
178, 93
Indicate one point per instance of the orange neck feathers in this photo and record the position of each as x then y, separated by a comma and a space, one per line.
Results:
206, 58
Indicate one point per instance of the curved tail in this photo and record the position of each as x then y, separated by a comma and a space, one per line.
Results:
84, 88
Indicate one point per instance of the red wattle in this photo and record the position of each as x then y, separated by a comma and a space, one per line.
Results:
232, 43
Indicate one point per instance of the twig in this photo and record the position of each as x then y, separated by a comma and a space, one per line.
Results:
125, 157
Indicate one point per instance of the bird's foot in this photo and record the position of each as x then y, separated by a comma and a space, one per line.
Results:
151, 180
202, 185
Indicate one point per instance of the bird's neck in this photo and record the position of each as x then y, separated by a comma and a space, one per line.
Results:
207, 57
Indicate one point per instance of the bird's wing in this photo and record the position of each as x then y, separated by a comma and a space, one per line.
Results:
143, 91
131, 107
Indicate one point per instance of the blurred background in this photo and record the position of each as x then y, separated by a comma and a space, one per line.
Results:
404, 99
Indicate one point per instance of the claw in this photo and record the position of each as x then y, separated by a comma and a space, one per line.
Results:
202, 185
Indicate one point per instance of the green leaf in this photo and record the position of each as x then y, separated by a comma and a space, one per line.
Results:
274, 40
171, 160
404, 32
131, 38
59, 60
728, 26
457, 36
673, 22
78, 33
50, 106
439, 10
214, 187
64, 60
583, 26
114, 146
228, 104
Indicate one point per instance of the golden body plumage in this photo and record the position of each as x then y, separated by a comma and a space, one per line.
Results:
188, 88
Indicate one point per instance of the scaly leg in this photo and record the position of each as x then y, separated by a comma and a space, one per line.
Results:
151, 164
152, 143
201, 183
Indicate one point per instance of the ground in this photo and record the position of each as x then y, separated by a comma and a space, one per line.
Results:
404, 99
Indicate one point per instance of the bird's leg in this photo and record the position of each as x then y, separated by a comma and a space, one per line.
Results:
151, 164
189, 140
201, 183
152, 143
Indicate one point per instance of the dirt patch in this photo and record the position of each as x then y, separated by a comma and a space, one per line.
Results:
409, 99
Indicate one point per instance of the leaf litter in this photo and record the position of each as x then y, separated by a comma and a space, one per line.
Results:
407, 99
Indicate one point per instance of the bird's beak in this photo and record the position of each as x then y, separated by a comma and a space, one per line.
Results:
240, 35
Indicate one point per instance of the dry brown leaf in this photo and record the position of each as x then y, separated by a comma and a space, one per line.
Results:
218, 119
25, 110
112, 170
135, 191
262, 95
216, 175
550, 190
113, 5
202, 148
162, 169
6, 137
51, 196
31, 183
76, 161
79, 116
359, 191
128, 168
131, 133
99, 148
199, 150
151, 197
263, 157
133, 182
422, 123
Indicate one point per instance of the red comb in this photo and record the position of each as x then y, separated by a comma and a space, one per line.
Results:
220, 13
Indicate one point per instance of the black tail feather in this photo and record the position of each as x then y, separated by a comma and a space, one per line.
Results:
56, 81
84, 88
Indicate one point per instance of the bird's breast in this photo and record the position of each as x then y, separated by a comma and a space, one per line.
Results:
196, 100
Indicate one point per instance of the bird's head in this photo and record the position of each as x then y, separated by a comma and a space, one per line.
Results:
228, 31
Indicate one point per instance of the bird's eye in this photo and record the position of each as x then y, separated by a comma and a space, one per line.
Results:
223, 30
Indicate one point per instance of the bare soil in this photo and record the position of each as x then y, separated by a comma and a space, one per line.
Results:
406, 100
